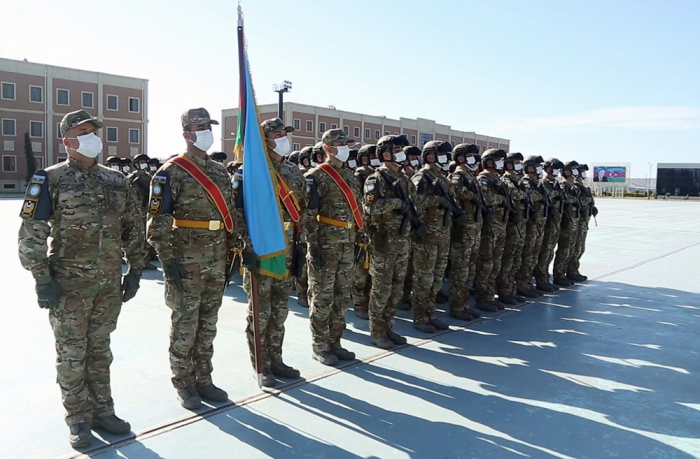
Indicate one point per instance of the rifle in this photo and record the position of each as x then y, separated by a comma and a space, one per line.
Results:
546, 199
411, 217
453, 209
530, 212
298, 253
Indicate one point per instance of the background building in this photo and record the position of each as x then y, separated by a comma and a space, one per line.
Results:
678, 179
35, 97
310, 122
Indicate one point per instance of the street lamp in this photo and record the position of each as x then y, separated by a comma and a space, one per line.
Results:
649, 183
280, 89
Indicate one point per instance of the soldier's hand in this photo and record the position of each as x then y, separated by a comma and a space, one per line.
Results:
461, 218
444, 203
421, 232
47, 292
250, 260
316, 256
130, 284
594, 211
173, 273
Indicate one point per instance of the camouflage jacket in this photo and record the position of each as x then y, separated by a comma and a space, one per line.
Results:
571, 194
464, 185
529, 185
429, 198
383, 205
140, 180
184, 198
492, 191
361, 174
553, 189
92, 217
587, 200
325, 199
517, 195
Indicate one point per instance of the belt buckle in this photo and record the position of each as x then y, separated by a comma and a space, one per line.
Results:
214, 225
349, 225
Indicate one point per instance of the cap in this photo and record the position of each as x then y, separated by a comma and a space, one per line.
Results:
77, 118
275, 124
335, 135
141, 157
196, 116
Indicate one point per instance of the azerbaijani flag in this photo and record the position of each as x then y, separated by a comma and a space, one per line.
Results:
263, 214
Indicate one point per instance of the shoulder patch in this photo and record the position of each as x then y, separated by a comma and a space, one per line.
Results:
484, 181
455, 180
37, 202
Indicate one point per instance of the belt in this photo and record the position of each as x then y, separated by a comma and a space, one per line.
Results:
334, 222
288, 225
212, 225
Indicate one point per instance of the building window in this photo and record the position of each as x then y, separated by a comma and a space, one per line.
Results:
377, 133
8, 91
309, 126
346, 129
58, 131
88, 101
134, 135
36, 94
357, 131
36, 129
134, 104
112, 134
62, 97
386, 132
367, 134
296, 146
9, 127
334, 126
297, 124
39, 162
425, 138
9, 163
413, 140
321, 127
112, 102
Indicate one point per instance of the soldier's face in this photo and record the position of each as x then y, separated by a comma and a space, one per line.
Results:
71, 142
271, 136
191, 136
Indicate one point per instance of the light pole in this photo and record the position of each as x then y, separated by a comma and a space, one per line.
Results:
280, 89
649, 183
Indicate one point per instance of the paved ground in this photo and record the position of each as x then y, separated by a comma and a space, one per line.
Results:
606, 369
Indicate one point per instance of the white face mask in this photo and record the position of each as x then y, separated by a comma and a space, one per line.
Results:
152, 168
115, 167
574, 172
205, 139
343, 153
375, 162
555, 172
539, 170
352, 164
90, 145
499, 164
584, 175
143, 166
442, 159
126, 169
400, 157
445, 167
414, 163
282, 146
470, 160
314, 164
518, 167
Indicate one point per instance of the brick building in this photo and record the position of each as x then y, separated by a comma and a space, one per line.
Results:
35, 97
311, 122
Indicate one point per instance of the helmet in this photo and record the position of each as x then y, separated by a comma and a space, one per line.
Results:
317, 154
436, 147
365, 152
583, 167
570, 165
386, 142
532, 161
491, 156
462, 149
305, 155
294, 157
553, 163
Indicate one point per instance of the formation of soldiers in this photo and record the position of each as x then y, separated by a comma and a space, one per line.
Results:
380, 227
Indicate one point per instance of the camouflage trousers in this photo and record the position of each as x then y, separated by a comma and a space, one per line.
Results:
302, 283
579, 247
408, 281
388, 271
273, 310
82, 322
531, 249
549, 242
463, 244
361, 285
565, 246
329, 287
194, 315
474, 256
429, 263
510, 262
493, 237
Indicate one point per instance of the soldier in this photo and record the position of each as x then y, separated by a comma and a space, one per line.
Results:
412, 163
90, 215
332, 217
515, 231
464, 243
114, 163
218, 157
191, 226
352, 160
362, 282
302, 282
552, 194
569, 224
588, 209
305, 158
153, 165
125, 164
232, 167
534, 230
294, 158
318, 154
436, 200
140, 180
493, 232
272, 294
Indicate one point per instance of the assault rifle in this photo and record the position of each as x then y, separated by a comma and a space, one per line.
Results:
411, 217
459, 216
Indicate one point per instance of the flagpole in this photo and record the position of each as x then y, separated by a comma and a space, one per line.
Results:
256, 327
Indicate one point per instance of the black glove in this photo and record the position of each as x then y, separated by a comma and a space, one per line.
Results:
445, 203
316, 256
405, 207
250, 260
421, 232
460, 218
130, 284
173, 273
47, 293
594, 211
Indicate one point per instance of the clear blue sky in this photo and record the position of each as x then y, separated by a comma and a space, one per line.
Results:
585, 80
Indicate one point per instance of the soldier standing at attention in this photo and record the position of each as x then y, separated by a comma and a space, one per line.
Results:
410, 167
140, 180
113, 163
552, 194
588, 208
569, 224
273, 293
191, 226
91, 215
125, 164
362, 282
332, 219
534, 230
302, 282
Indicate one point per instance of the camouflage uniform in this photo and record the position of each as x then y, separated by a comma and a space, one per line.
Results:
92, 217
534, 233
201, 253
302, 283
587, 209
552, 189
514, 239
140, 180
569, 227
362, 282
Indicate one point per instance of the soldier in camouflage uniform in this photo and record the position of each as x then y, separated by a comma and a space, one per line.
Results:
273, 293
588, 209
91, 215
125, 165
435, 198
192, 238
465, 239
153, 165
362, 282
410, 167
515, 232
302, 283
140, 180
331, 228
318, 154
113, 163
534, 231
493, 232
552, 194
389, 246
569, 224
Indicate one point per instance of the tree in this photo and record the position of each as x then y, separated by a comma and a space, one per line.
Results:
29, 155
